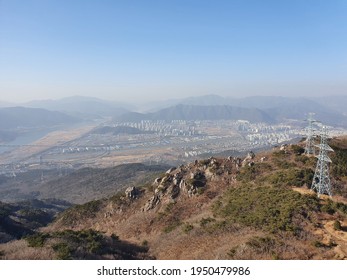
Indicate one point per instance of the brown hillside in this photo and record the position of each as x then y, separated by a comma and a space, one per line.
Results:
225, 208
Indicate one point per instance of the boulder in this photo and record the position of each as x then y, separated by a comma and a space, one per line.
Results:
175, 191
170, 170
157, 181
151, 203
250, 155
283, 147
132, 192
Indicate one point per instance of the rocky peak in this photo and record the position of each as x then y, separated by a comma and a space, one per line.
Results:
190, 180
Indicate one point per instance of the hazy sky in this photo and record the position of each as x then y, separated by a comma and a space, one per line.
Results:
137, 49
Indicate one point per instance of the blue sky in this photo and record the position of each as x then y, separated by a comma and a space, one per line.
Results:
131, 50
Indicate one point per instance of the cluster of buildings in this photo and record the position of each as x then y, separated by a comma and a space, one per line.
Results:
163, 128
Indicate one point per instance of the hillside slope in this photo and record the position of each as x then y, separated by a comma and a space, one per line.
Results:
258, 207
80, 186
14, 117
23, 218
194, 112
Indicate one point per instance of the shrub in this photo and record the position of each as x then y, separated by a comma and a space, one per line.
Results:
279, 154
262, 244
291, 177
339, 158
187, 228
341, 207
37, 239
63, 251
329, 208
4, 210
205, 221
174, 224
37, 217
337, 225
83, 243
298, 149
118, 198
250, 173
318, 244
303, 159
75, 213
114, 237
284, 164
332, 207
200, 191
271, 209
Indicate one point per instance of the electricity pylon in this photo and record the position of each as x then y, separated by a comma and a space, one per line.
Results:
321, 180
309, 148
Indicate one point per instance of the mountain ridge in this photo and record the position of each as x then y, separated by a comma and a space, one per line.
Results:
270, 109
194, 112
257, 207
13, 117
81, 106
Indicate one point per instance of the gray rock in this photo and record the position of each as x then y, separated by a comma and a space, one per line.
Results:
175, 191
132, 193
152, 203
170, 170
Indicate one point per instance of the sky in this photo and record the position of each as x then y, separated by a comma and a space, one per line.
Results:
135, 50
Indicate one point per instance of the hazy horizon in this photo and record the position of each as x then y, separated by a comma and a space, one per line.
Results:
9, 103
137, 51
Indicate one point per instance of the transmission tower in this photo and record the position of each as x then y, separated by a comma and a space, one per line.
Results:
321, 180
309, 149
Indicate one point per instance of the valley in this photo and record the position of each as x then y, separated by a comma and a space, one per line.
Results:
213, 182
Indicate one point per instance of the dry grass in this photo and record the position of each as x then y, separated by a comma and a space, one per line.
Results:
19, 250
164, 228
52, 139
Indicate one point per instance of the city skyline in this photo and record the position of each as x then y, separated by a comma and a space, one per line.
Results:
147, 50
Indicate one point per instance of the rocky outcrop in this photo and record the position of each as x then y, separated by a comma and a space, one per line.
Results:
192, 179
171, 170
132, 193
151, 203
249, 159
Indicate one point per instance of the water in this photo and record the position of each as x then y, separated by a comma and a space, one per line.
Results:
27, 138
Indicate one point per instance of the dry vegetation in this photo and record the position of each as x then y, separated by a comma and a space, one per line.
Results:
263, 210
80, 186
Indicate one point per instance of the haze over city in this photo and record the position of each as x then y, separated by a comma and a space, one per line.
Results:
154, 50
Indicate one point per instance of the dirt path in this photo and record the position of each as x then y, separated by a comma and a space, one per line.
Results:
339, 237
303, 190
328, 233
335, 198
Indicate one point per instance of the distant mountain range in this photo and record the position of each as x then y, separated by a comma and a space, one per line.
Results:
80, 106
268, 109
20, 117
336, 103
192, 112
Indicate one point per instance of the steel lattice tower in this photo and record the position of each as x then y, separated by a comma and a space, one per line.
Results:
309, 149
321, 180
